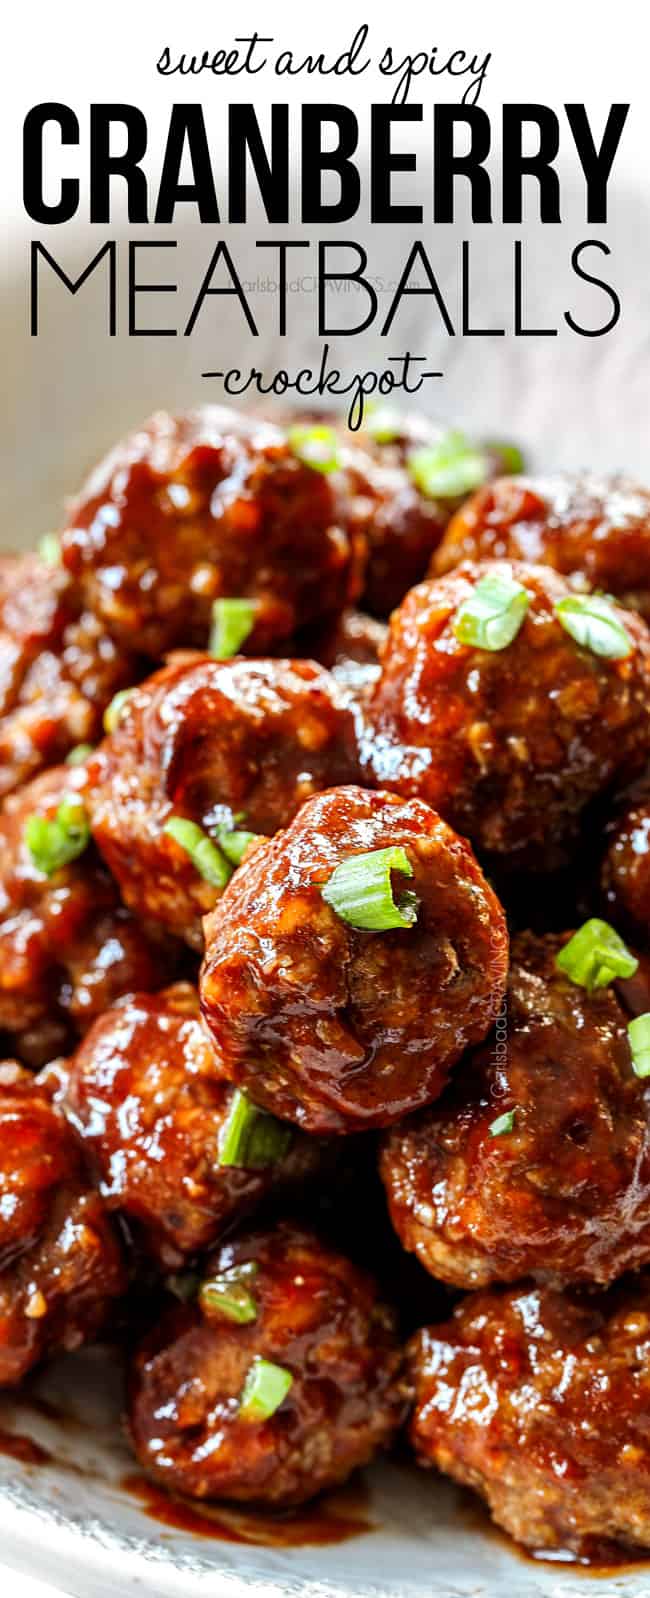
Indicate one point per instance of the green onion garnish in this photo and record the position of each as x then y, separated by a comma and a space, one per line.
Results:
264, 1390
204, 854
360, 891
595, 956
54, 841
232, 621
510, 456
448, 469
49, 549
638, 1032
250, 1137
383, 424
492, 615
80, 753
317, 447
113, 712
227, 1294
592, 621
234, 844
504, 1123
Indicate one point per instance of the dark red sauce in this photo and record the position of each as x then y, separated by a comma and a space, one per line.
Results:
16, 1446
335, 1518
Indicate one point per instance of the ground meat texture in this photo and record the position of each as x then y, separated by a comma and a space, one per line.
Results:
400, 525
68, 947
594, 530
211, 741
626, 865
509, 745
336, 1028
316, 1316
565, 1194
58, 669
159, 1165
60, 1261
538, 1399
208, 504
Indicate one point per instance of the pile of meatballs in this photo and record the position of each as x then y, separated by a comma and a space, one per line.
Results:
325, 963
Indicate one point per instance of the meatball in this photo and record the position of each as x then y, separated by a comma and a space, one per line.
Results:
208, 504
626, 866
58, 669
60, 1262
68, 948
335, 1027
508, 742
385, 466
594, 530
234, 744
537, 1161
280, 1381
159, 1165
538, 1399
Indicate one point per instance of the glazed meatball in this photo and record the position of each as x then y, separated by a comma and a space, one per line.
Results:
60, 1262
58, 669
537, 1161
538, 1399
68, 947
508, 743
159, 1165
235, 743
209, 1418
626, 866
336, 1027
594, 530
209, 504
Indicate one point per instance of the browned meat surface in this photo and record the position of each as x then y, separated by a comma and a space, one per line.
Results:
68, 947
564, 1191
60, 1262
222, 743
206, 505
58, 669
509, 744
595, 530
317, 1318
336, 1027
626, 864
538, 1399
158, 1164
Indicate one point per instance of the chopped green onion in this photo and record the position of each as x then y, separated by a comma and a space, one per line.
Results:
113, 712
250, 1137
317, 447
361, 892
54, 841
234, 844
448, 469
638, 1032
264, 1390
232, 621
595, 956
49, 549
492, 615
227, 1294
510, 456
591, 621
80, 753
204, 854
504, 1123
383, 424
